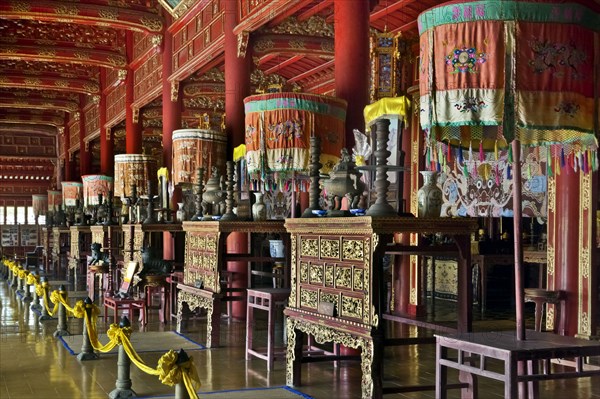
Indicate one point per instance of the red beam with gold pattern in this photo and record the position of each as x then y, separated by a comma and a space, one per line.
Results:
101, 58
71, 85
38, 103
84, 14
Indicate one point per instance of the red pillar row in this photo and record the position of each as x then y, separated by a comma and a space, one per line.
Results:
564, 237
107, 159
171, 113
352, 61
85, 160
133, 138
237, 80
68, 175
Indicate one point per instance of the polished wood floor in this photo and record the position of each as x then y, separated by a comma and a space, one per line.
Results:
33, 364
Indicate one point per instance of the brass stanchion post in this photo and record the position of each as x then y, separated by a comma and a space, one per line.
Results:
27, 289
180, 389
87, 351
35, 305
123, 384
61, 327
45, 315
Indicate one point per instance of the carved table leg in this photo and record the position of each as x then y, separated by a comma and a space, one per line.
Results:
213, 327
180, 321
295, 340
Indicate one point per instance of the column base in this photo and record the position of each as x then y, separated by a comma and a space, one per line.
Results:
122, 394
87, 356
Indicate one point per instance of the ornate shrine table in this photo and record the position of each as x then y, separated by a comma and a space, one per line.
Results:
339, 261
205, 267
504, 346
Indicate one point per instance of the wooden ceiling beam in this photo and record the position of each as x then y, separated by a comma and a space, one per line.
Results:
85, 14
288, 12
322, 5
284, 64
388, 9
310, 72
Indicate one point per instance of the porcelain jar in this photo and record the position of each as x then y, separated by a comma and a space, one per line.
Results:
259, 209
429, 196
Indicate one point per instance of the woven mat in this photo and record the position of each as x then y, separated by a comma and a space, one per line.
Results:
142, 342
249, 393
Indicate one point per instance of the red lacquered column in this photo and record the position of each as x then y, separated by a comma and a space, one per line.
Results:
564, 238
133, 137
237, 87
171, 113
68, 175
84, 154
352, 61
107, 158
237, 80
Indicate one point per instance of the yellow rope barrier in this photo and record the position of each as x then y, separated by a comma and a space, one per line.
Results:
53, 296
32, 279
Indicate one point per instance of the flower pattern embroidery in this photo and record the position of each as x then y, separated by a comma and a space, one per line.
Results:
559, 58
569, 108
465, 59
470, 104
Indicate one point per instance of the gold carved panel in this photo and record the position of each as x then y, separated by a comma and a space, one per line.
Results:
304, 267
343, 277
308, 298
357, 280
316, 274
309, 247
330, 249
351, 307
353, 250
329, 273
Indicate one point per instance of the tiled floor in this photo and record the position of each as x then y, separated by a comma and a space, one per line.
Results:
33, 364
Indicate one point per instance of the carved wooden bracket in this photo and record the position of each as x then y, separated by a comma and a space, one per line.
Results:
174, 90
243, 38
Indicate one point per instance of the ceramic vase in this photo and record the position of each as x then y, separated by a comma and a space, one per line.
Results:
429, 196
180, 212
259, 209
276, 248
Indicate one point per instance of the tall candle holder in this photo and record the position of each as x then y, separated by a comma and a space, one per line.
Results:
199, 190
229, 215
314, 190
150, 219
381, 207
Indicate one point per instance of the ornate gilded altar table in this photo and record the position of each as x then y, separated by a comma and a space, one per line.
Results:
339, 261
206, 263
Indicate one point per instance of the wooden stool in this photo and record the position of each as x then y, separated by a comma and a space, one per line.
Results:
541, 296
129, 304
264, 299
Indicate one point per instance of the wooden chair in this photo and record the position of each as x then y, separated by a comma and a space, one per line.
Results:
122, 301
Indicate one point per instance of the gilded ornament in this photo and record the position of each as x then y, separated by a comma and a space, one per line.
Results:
309, 247
352, 249
413, 296
242, 43
91, 88
330, 248
351, 307
551, 194
61, 83
297, 44
550, 318
293, 278
20, 6
33, 82
550, 254
357, 280
308, 298
304, 272
153, 24
343, 277
328, 46
316, 274
67, 10
263, 45
329, 297
329, 273
174, 90
584, 327
314, 26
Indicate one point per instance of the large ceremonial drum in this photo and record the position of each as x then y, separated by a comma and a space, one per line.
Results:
195, 148
94, 185
54, 200
39, 204
71, 191
279, 127
135, 169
